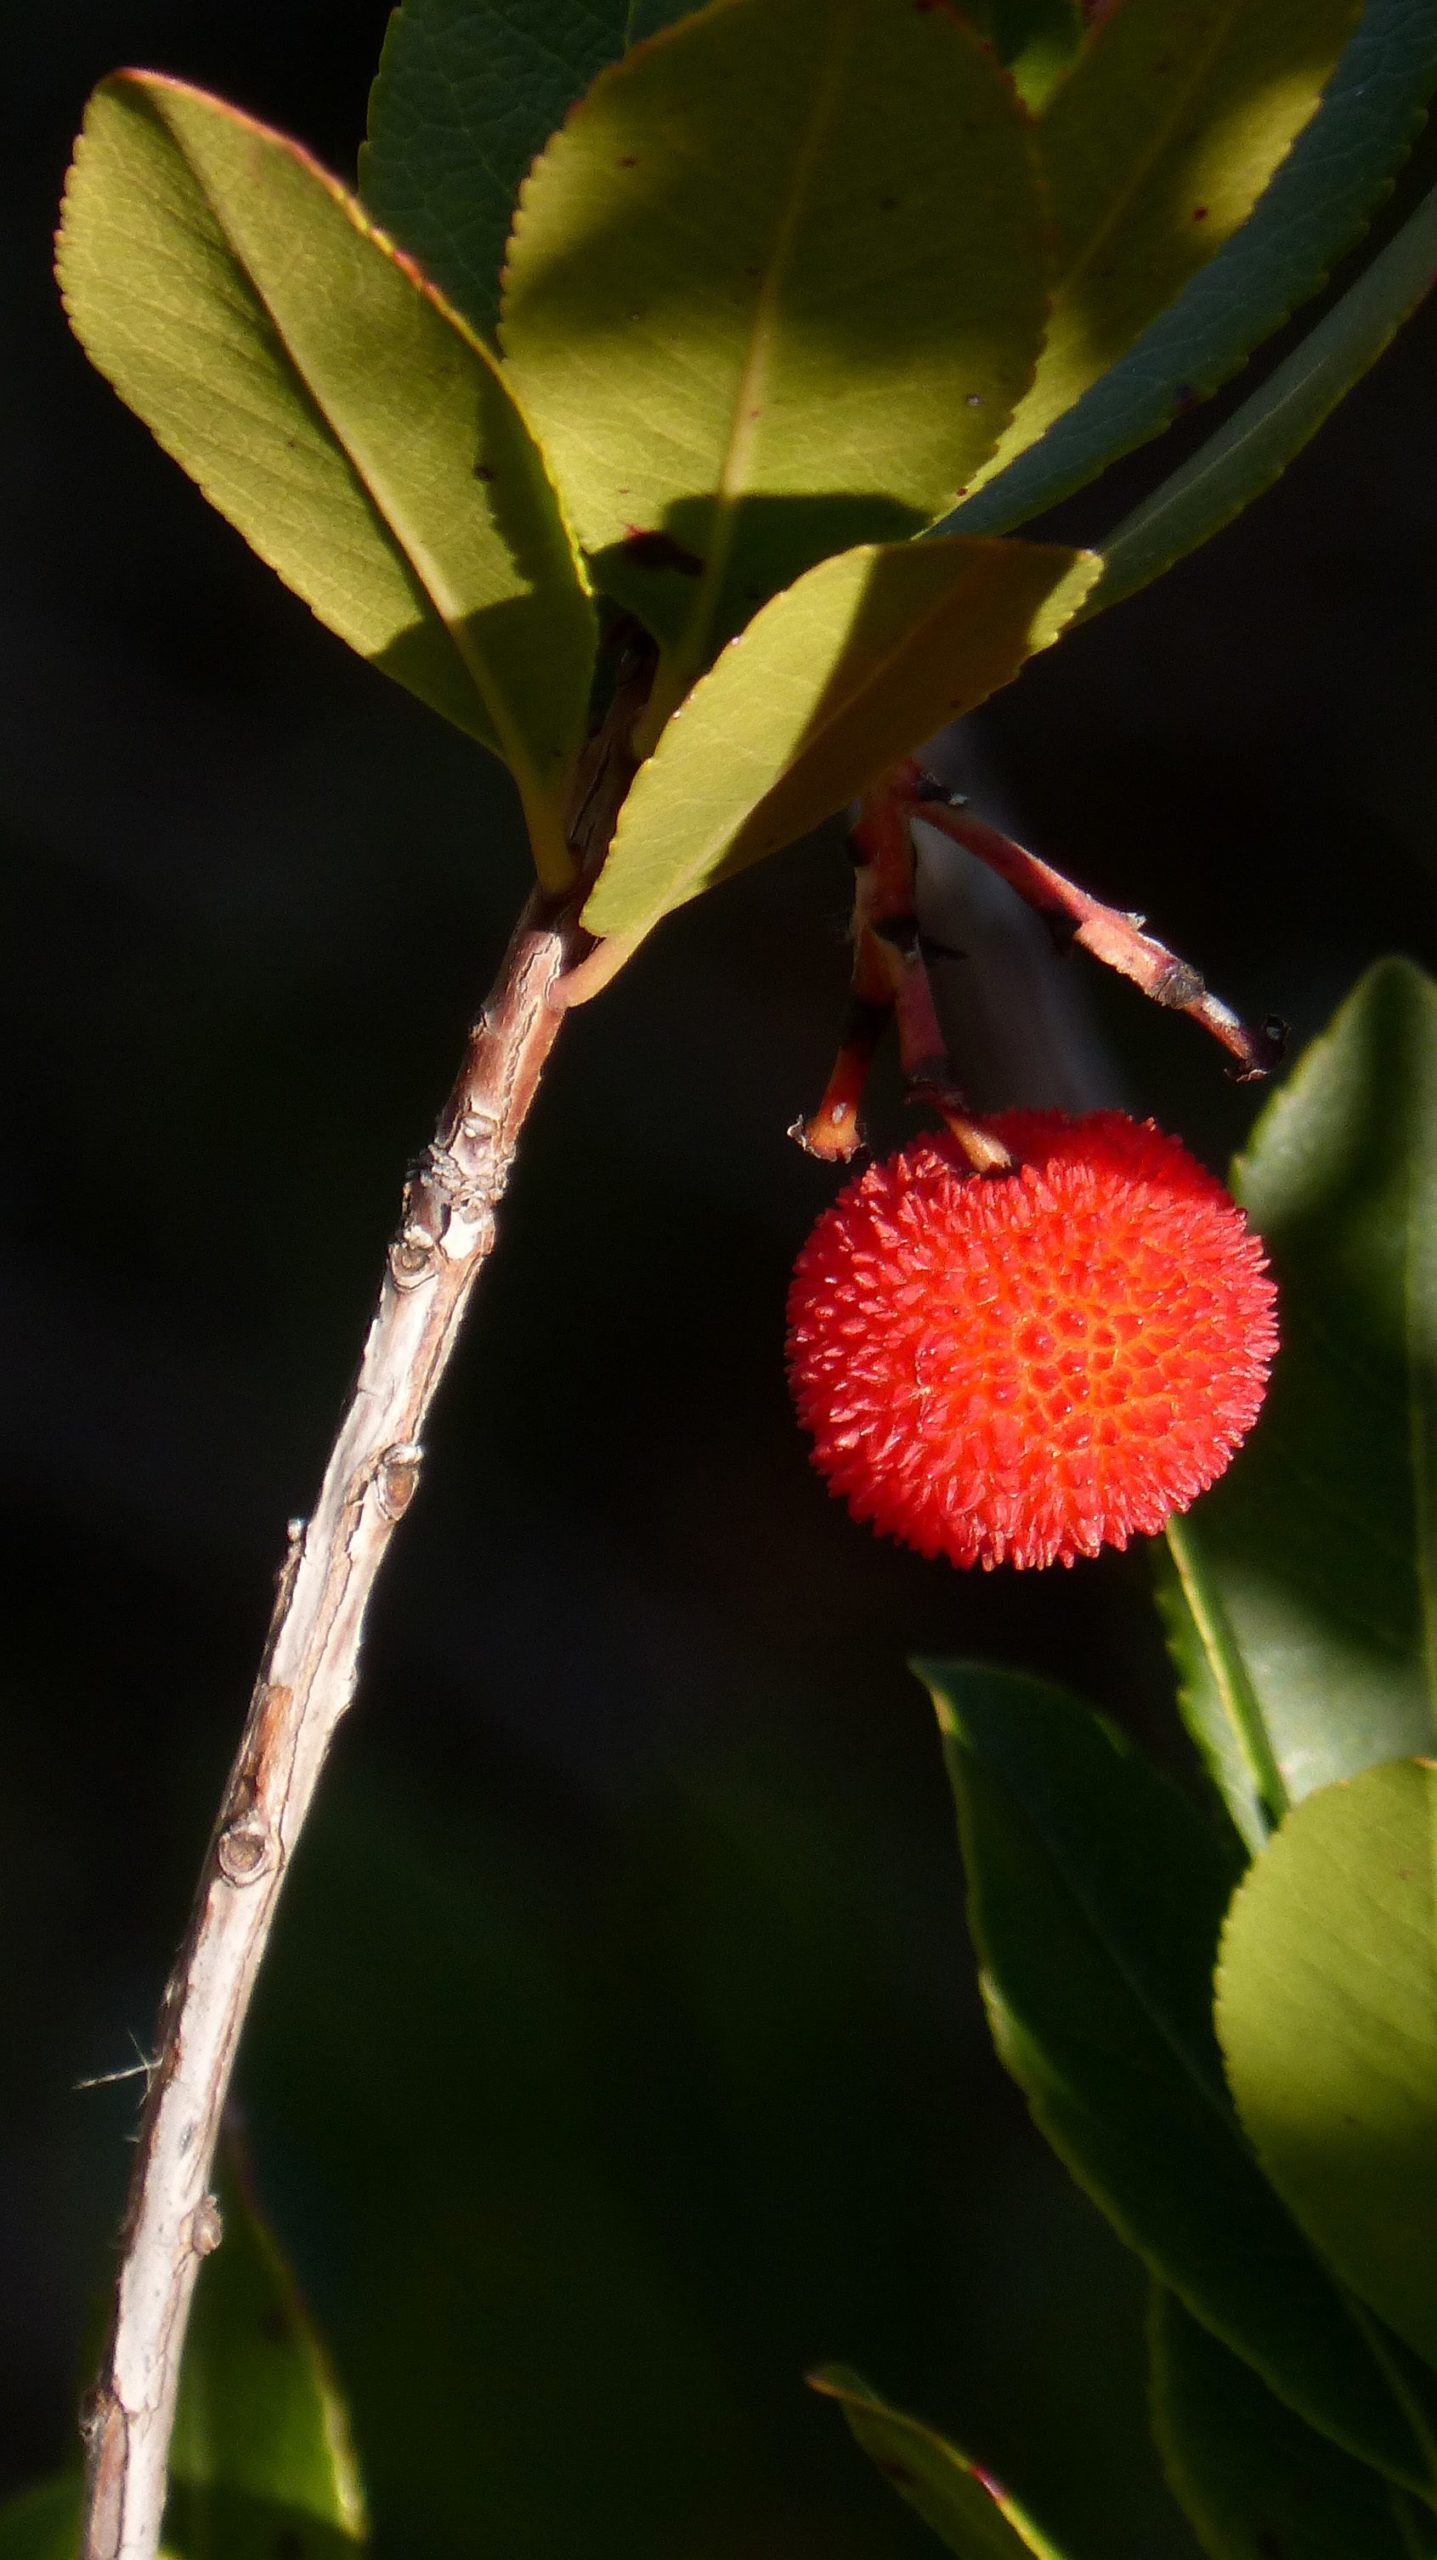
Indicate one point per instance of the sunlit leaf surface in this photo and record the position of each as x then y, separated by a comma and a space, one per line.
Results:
1156, 148
468, 92
848, 670
336, 413
761, 311
1327, 2010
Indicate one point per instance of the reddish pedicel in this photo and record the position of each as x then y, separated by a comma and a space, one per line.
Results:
1024, 1367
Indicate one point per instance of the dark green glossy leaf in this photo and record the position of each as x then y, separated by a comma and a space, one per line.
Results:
1250, 452
1214, 1692
967, 2508
833, 681
1255, 2483
1327, 2010
1096, 1895
1311, 1571
1155, 149
759, 308
337, 413
468, 93
261, 2460
1315, 208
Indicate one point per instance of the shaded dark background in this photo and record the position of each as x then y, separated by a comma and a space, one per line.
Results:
619, 2054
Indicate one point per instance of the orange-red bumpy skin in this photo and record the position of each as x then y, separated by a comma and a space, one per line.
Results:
1022, 1368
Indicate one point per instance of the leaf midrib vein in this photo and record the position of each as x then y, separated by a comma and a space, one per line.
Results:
1419, 1443
415, 553
743, 427
1230, 1676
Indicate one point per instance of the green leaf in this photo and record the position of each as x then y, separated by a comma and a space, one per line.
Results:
1096, 1895
1311, 1570
333, 409
261, 2459
468, 92
834, 680
1256, 445
1327, 2011
1035, 40
1253, 2481
1214, 1692
1156, 148
759, 306
43, 2523
968, 2509
1316, 206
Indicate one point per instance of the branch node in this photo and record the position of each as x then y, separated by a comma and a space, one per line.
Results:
245, 1850
1179, 987
480, 1128
412, 1257
207, 2227
396, 1477
930, 793
97, 2406
466, 1194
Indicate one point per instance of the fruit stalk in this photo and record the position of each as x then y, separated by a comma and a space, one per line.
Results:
1118, 940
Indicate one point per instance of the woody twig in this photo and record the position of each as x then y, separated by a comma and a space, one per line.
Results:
1120, 941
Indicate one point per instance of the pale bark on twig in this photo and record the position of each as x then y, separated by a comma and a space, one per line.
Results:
305, 1683
307, 1675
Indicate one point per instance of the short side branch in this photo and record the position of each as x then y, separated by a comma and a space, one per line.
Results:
305, 1683
1118, 940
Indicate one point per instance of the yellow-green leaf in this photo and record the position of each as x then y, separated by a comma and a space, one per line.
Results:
1327, 2012
967, 2508
773, 291
853, 667
337, 413
1155, 149
1035, 40
261, 2460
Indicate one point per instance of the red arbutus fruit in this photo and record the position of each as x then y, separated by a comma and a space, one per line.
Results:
1026, 1366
